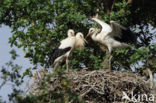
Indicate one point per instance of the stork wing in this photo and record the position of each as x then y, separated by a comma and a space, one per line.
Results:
116, 29
105, 27
122, 33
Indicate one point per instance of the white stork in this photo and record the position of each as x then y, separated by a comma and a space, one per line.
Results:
62, 52
112, 36
70, 33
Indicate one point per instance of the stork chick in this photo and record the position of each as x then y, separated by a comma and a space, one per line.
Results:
62, 52
112, 36
70, 33
80, 41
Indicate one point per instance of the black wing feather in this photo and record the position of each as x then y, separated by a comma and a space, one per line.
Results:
57, 52
127, 36
122, 33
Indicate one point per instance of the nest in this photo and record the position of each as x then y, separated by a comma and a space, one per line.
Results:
97, 86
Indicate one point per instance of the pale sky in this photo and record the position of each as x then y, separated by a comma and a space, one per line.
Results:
5, 33
5, 48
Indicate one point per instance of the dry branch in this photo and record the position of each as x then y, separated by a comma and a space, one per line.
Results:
98, 86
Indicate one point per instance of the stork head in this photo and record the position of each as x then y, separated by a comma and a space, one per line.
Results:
79, 35
71, 33
80, 41
91, 31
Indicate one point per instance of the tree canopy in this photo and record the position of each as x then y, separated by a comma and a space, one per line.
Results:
38, 26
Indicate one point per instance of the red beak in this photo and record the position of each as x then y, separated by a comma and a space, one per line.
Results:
85, 40
87, 35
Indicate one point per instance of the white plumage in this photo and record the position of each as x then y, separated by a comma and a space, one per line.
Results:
80, 41
62, 52
112, 36
68, 42
70, 33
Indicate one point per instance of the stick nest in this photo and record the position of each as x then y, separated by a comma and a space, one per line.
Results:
96, 86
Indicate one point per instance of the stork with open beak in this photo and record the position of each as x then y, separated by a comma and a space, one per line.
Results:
112, 36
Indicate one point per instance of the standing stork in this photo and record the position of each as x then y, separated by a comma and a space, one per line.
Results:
62, 51
112, 36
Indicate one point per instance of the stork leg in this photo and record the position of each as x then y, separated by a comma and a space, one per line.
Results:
110, 58
104, 49
56, 65
67, 64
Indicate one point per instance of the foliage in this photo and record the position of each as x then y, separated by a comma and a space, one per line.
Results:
95, 86
11, 74
38, 25
1, 100
38, 34
45, 96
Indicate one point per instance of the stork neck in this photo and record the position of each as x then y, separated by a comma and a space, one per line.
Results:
94, 36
